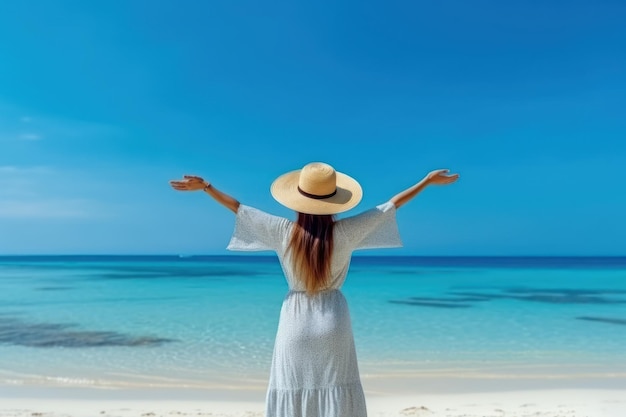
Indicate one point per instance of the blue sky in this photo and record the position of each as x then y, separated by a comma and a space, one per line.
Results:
101, 103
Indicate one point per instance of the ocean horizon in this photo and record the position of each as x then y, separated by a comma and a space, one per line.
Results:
210, 320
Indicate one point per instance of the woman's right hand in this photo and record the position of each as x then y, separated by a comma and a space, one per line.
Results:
190, 183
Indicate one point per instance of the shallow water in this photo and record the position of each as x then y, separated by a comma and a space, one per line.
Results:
211, 321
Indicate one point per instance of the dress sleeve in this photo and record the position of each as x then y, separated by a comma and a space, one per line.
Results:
256, 230
375, 228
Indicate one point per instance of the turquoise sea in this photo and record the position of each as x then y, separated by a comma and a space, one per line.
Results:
169, 321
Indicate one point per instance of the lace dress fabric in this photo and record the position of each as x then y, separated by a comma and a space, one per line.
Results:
314, 370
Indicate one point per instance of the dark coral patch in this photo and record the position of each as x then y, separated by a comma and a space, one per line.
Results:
48, 335
549, 296
441, 302
620, 322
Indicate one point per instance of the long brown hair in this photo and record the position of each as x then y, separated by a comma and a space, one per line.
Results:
311, 247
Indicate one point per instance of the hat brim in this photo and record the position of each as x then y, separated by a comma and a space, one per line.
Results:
285, 190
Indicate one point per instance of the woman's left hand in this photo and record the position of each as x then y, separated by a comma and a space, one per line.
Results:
441, 177
189, 183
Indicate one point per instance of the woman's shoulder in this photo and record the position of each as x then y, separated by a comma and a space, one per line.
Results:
258, 215
373, 212
374, 228
256, 229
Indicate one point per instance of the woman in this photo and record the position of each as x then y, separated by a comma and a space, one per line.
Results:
314, 369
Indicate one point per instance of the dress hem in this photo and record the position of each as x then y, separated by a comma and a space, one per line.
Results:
332, 401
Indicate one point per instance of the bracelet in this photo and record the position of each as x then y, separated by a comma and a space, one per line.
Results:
207, 186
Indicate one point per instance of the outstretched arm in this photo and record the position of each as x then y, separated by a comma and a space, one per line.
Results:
194, 183
437, 177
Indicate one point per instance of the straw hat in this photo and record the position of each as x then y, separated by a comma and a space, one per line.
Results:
317, 189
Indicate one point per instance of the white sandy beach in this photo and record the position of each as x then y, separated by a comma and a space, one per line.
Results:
42, 402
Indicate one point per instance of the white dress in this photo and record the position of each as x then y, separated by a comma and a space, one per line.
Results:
314, 369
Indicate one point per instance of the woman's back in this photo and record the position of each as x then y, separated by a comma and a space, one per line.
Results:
256, 230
